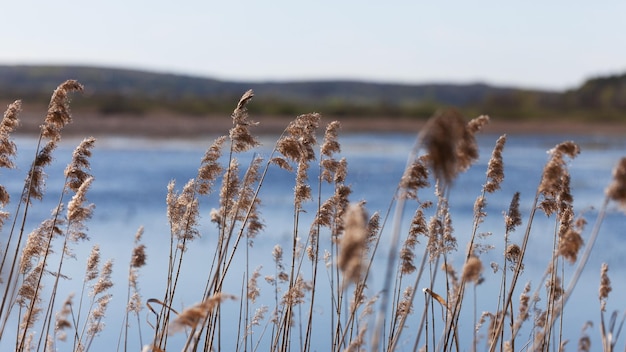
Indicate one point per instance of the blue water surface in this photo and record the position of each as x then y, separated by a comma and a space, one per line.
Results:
131, 176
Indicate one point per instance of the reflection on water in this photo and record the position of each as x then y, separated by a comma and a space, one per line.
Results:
130, 187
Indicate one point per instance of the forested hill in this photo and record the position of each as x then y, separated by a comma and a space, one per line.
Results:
112, 91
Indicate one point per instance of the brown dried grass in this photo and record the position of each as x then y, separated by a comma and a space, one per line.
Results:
341, 238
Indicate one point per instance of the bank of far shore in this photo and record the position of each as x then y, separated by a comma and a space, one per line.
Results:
162, 125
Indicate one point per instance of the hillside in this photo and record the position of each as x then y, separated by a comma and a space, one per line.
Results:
138, 91
131, 92
41, 79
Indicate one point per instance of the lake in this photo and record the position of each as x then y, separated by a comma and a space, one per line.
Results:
131, 176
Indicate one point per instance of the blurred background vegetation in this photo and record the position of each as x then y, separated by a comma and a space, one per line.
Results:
129, 92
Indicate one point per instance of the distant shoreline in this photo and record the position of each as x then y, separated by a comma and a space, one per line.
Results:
163, 125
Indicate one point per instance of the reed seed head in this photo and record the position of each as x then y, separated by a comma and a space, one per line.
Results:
405, 306
247, 203
139, 234
616, 191
230, 185
325, 213
289, 147
104, 280
257, 318
373, 226
297, 145
296, 294
29, 288
8, 149
93, 261
303, 128
59, 110
513, 217
472, 269
28, 321
524, 307
240, 134
281, 163
495, 167
407, 253
138, 258
441, 136
36, 176
584, 343
476, 124
182, 212
434, 231
414, 178
555, 288
77, 211
3, 217
5, 198
446, 241
134, 303
467, 148
277, 253
96, 325
342, 171
513, 254
300, 138
76, 171
331, 144
329, 168
353, 243
302, 190
406, 260
569, 244
253, 288
38, 242
210, 168
10, 121
605, 286
554, 172
479, 208
62, 321
418, 224
255, 223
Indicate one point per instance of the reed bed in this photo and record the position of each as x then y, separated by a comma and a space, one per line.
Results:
390, 279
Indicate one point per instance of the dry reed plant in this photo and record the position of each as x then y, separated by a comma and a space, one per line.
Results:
349, 283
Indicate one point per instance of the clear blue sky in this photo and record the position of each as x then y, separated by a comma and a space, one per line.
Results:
539, 44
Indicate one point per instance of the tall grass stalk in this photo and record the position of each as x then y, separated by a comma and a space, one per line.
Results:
332, 264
